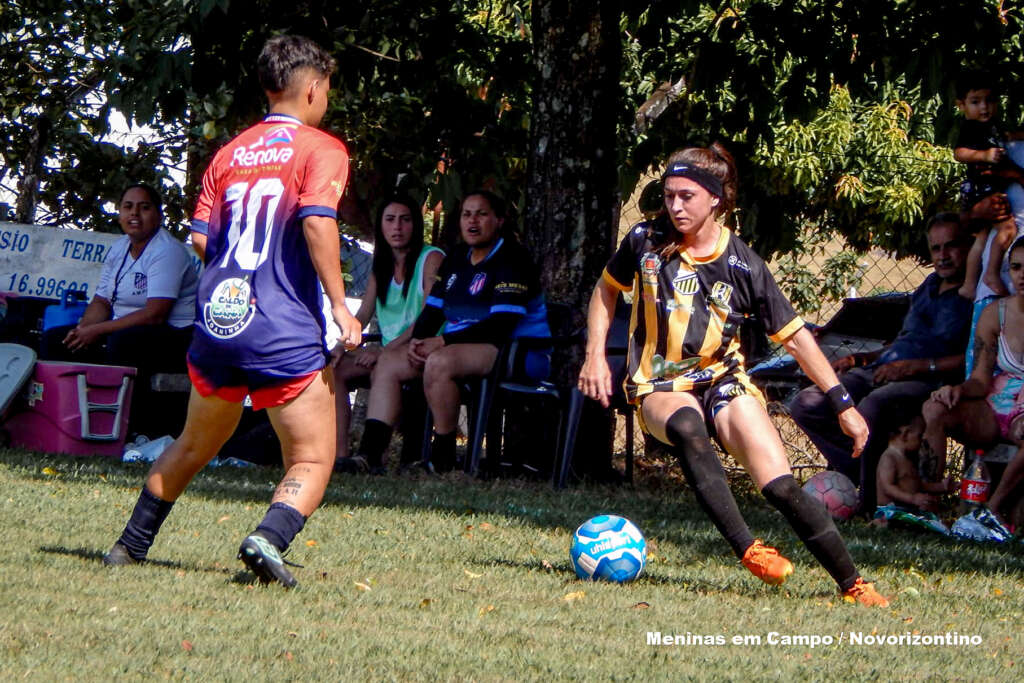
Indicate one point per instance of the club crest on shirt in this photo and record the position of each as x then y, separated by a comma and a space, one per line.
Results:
477, 283
720, 294
140, 282
649, 266
230, 309
685, 283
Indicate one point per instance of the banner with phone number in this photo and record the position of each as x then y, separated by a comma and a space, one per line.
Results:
44, 262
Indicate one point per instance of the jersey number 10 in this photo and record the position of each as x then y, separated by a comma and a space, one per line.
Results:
252, 221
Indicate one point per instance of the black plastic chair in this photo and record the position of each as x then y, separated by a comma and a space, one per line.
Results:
616, 348
487, 396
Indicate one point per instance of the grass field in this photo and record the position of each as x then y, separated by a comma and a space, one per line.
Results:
451, 579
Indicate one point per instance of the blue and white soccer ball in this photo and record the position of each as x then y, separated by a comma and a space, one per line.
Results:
609, 548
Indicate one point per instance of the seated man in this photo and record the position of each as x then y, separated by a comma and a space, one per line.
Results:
890, 385
986, 409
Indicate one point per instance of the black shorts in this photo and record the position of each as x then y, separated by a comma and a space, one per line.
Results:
715, 396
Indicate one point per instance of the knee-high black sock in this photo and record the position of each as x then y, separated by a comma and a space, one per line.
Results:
149, 513
814, 526
281, 525
376, 437
704, 473
442, 452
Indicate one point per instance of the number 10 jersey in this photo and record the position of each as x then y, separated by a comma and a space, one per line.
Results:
260, 303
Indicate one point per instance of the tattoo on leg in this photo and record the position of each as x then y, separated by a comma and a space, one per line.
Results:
289, 487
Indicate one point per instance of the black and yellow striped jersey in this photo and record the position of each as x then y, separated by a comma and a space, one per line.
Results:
683, 330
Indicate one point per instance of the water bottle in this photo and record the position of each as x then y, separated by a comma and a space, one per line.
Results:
147, 451
974, 485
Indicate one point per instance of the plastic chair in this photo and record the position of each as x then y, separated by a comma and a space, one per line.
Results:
486, 396
616, 347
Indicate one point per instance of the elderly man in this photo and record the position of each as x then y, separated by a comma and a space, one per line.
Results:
890, 385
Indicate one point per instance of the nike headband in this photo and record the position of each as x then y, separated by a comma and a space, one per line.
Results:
697, 175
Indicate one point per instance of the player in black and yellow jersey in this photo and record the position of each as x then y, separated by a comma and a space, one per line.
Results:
693, 281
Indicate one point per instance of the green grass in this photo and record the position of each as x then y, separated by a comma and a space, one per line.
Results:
467, 580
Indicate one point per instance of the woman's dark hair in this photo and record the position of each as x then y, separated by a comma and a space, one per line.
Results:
498, 204
384, 259
1017, 244
283, 55
154, 197
717, 161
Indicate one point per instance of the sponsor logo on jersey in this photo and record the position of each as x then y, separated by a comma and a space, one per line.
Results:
736, 263
720, 294
279, 136
686, 284
510, 288
699, 376
687, 306
230, 309
649, 265
662, 368
260, 153
451, 282
140, 282
477, 283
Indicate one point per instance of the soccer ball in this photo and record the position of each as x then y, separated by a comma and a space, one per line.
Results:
609, 548
835, 491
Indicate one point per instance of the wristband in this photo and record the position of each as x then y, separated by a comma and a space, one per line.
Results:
839, 398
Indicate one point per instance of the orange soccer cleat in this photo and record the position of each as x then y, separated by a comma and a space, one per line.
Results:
865, 593
765, 563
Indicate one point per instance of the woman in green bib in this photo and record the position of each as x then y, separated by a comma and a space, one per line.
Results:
404, 270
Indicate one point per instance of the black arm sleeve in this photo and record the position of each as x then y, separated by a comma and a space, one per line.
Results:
496, 329
428, 323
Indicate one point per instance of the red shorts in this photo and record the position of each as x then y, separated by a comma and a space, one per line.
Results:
267, 396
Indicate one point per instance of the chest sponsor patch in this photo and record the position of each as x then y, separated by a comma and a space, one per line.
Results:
477, 283
140, 282
230, 308
736, 263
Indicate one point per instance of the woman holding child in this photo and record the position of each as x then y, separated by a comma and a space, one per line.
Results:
693, 282
986, 409
404, 270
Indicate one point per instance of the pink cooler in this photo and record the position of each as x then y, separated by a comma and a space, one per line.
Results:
73, 408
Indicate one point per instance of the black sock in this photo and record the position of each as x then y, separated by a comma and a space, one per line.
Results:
704, 474
281, 524
376, 437
442, 452
814, 526
149, 513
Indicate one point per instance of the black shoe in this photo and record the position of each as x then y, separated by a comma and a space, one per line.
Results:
264, 560
118, 556
354, 464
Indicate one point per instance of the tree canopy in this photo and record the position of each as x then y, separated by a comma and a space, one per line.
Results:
840, 113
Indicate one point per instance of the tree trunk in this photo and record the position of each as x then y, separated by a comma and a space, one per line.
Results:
572, 192
28, 188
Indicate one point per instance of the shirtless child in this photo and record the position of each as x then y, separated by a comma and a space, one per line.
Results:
899, 484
